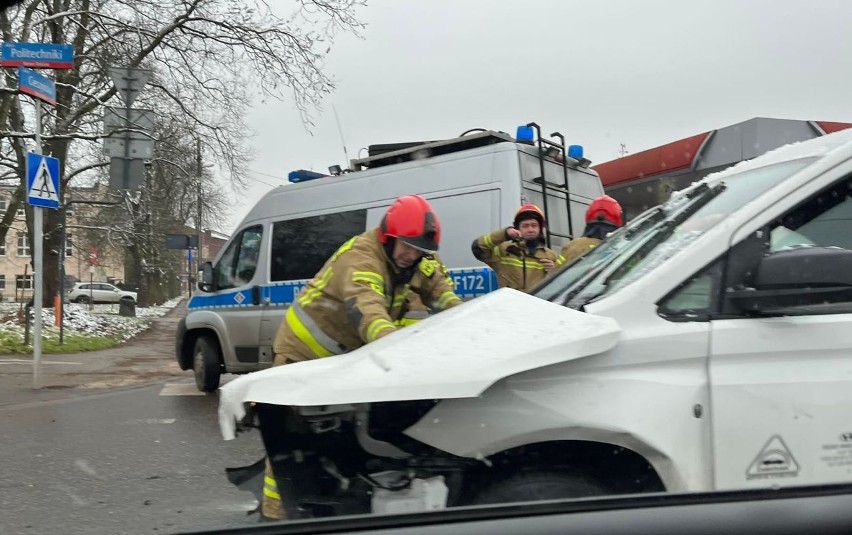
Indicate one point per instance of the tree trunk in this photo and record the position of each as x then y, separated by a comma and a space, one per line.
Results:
53, 231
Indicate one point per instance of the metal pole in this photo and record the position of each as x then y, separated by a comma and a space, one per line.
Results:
63, 241
37, 268
125, 179
198, 230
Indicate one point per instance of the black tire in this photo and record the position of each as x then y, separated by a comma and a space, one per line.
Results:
540, 485
83, 300
207, 363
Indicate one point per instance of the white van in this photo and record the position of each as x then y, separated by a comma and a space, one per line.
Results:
705, 346
475, 183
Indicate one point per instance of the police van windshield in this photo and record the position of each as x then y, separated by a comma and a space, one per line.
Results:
660, 233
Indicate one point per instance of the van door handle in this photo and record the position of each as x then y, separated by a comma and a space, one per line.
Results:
255, 295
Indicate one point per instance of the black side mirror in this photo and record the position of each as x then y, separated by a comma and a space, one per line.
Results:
206, 278
800, 277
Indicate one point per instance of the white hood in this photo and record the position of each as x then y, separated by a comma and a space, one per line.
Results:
456, 354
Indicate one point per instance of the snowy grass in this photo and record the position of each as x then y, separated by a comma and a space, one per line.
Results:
83, 330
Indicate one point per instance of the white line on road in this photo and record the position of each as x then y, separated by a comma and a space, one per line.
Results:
30, 361
181, 389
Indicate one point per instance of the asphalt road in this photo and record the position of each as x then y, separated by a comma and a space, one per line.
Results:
118, 441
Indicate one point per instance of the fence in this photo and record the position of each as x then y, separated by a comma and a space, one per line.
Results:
11, 295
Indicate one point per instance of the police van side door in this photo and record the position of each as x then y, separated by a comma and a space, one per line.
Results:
238, 301
780, 366
298, 249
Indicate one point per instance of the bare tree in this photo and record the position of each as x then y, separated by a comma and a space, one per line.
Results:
208, 57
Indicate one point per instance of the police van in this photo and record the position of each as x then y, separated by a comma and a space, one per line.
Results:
475, 182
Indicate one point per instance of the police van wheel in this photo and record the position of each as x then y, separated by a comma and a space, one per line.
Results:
206, 363
538, 485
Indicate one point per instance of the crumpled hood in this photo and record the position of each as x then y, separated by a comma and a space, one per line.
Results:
458, 353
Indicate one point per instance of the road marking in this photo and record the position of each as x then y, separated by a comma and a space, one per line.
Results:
181, 389
30, 361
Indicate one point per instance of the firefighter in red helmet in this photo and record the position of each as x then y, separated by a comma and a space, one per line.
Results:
359, 294
518, 254
603, 216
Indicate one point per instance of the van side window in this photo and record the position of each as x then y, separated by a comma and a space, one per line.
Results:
823, 221
300, 247
239, 261
799, 263
694, 299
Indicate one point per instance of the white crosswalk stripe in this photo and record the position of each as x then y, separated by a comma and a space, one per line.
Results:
29, 361
181, 389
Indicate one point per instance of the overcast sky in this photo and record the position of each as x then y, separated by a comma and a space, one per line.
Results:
602, 72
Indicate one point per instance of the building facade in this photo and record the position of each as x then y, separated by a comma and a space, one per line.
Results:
85, 258
645, 179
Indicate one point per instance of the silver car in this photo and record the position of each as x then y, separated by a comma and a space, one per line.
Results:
98, 292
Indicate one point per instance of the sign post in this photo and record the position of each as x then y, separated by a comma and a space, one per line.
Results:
42, 171
133, 145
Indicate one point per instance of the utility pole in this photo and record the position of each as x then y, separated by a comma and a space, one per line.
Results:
198, 230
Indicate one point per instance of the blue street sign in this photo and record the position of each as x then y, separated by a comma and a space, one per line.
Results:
36, 85
37, 55
42, 180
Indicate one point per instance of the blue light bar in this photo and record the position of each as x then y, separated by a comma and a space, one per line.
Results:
575, 151
302, 175
525, 134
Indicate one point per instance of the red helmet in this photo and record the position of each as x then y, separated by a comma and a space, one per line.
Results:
605, 208
412, 220
529, 210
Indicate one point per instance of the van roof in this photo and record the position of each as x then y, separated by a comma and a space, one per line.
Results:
419, 151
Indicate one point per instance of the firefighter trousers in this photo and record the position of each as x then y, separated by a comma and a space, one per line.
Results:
271, 507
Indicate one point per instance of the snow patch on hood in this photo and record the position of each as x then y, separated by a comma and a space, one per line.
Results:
458, 353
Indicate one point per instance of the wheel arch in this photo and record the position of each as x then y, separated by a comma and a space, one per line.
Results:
188, 345
199, 323
618, 469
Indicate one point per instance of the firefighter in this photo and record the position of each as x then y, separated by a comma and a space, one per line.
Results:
360, 295
603, 216
518, 254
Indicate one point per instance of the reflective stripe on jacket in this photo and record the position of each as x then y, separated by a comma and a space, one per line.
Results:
355, 298
515, 266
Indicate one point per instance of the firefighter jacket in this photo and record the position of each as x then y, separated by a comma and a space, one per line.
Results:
577, 248
516, 266
355, 299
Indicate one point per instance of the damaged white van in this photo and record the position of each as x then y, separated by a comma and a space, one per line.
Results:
705, 346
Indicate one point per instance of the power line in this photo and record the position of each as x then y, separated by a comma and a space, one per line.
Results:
255, 179
266, 174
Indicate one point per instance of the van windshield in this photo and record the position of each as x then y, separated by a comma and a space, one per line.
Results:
659, 234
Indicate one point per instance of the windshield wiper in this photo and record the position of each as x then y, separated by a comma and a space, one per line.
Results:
699, 198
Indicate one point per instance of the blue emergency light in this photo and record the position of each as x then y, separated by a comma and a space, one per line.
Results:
525, 134
575, 151
302, 175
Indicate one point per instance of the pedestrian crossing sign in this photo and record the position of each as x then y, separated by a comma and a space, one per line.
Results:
42, 180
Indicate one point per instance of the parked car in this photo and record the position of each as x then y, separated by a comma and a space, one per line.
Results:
98, 292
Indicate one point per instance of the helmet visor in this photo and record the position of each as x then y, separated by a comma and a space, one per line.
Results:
427, 243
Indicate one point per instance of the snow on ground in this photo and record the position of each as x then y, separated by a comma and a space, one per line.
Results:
102, 320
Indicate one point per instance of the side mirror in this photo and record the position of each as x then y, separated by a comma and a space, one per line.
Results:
206, 279
786, 281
